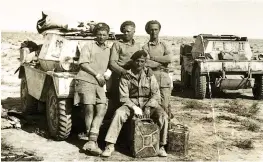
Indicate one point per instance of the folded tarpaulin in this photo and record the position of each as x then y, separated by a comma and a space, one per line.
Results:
51, 20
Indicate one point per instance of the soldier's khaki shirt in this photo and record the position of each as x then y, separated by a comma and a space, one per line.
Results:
160, 52
121, 53
97, 57
161, 58
142, 92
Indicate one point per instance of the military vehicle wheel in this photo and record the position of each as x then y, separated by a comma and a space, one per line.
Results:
185, 78
200, 84
41, 106
258, 88
58, 113
28, 103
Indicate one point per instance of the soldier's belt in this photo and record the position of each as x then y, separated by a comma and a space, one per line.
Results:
136, 97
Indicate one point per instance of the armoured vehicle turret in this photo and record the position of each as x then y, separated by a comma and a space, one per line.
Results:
219, 62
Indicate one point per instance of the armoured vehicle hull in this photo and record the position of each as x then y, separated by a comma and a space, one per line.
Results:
48, 81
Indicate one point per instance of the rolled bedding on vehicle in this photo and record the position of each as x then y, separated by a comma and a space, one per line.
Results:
52, 20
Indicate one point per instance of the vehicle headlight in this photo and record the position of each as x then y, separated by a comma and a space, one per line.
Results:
66, 63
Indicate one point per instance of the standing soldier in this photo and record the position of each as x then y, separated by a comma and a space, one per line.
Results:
89, 92
121, 53
160, 57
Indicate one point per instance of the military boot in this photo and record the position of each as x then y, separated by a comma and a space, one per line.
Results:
108, 150
92, 148
162, 152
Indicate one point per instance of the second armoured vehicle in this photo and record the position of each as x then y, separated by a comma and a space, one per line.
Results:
220, 62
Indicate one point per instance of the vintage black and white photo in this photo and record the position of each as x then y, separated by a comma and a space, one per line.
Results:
132, 80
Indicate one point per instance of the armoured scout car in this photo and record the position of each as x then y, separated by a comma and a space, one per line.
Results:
49, 79
217, 62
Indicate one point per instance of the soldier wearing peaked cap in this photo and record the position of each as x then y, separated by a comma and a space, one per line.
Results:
89, 82
160, 57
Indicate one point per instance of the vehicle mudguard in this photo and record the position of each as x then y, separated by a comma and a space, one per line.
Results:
64, 84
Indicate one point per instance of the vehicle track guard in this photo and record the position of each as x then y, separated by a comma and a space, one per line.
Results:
35, 80
64, 85
47, 85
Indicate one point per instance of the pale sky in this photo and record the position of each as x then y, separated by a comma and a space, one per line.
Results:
178, 17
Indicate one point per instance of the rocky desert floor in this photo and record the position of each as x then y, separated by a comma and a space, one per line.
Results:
228, 127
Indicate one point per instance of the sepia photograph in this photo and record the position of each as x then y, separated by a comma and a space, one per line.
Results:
131, 80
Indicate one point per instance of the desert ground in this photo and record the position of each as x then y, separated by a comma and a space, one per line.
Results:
227, 127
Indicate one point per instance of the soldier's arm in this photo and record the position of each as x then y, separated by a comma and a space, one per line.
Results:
85, 67
166, 58
124, 93
99, 77
150, 63
114, 57
155, 97
84, 60
107, 73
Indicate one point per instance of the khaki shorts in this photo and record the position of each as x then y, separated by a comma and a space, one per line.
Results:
88, 93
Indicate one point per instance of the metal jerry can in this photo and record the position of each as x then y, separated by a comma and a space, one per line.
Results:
178, 138
145, 136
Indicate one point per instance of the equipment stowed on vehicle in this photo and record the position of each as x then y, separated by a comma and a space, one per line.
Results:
224, 61
49, 80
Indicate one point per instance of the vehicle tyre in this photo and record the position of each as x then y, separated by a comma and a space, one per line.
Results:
41, 107
258, 87
185, 78
200, 84
28, 102
58, 112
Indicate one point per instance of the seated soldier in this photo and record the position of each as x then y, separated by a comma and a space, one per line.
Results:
139, 93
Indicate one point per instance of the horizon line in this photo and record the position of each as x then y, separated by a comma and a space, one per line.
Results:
191, 36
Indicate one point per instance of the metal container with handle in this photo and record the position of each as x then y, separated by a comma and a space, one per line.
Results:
144, 138
178, 137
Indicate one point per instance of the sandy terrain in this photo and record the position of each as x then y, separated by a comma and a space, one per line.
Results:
226, 134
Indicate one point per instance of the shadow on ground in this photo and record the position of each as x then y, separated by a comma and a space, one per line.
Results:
180, 91
37, 123
8, 154
33, 123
